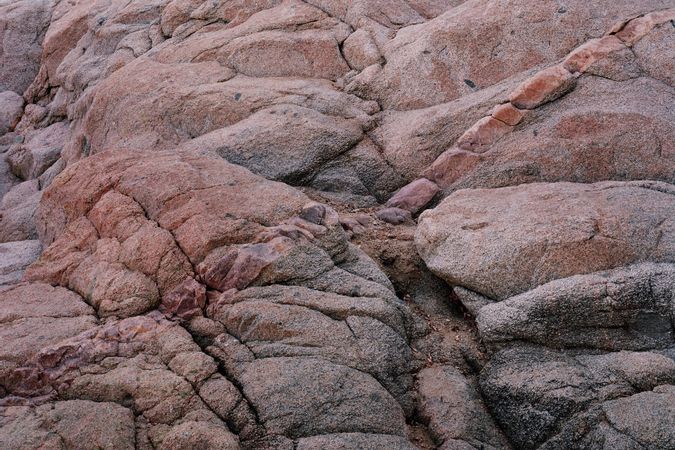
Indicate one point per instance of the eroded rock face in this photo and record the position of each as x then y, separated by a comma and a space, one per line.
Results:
34, 316
592, 134
189, 189
626, 308
11, 109
547, 399
16, 257
17, 212
271, 289
68, 424
455, 413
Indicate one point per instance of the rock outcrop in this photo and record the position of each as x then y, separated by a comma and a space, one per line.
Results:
301, 224
285, 309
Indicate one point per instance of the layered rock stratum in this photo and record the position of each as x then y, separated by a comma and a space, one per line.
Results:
332, 224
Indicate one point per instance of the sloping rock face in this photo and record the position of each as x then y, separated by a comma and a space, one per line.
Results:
364, 224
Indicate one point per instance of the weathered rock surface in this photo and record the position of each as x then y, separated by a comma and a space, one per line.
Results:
11, 109
627, 308
15, 257
269, 286
547, 399
482, 42
34, 316
502, 242
457, 418
599, 131
414, 196
39, 151
68, 424
22, 27
17, 211
192, 192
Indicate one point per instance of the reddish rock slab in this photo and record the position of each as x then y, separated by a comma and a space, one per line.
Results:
544, 87
414, 196
360, 50
605, 129
452, 165
34, 316
638, 28
655, 53
483, 134
306, 54
186, 301
502, 242
482, 42
508, 114
590, 52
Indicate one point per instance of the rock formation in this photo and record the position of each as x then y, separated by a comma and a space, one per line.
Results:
304, 224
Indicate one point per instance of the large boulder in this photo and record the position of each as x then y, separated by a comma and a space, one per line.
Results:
502, 242
284, 143
626, 308
603, 130
412, 140
168, 104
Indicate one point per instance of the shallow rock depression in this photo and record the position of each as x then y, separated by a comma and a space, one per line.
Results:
337, 224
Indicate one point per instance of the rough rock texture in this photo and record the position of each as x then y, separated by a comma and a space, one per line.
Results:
15, 257
293, 309
548, 399
17, 211
454, 411
599, 131
482, 42
627, 308
68, 424
34, 316
22, 28
39, 151
340, 224
11, 109
502, 242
